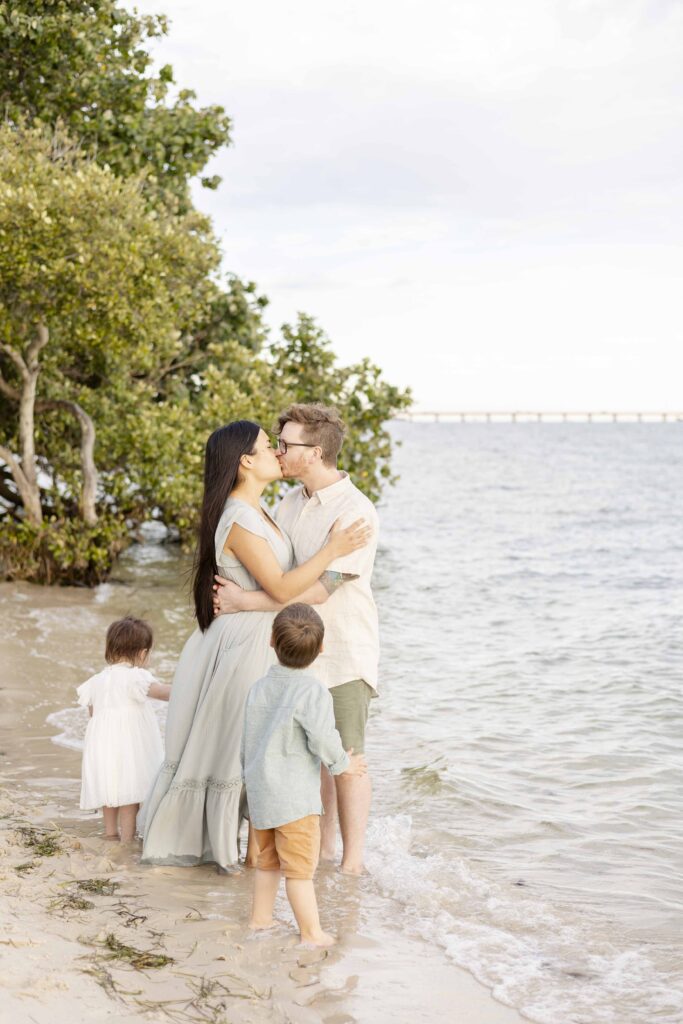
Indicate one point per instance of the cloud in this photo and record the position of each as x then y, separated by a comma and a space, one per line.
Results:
465, 189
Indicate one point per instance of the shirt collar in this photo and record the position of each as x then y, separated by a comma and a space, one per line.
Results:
330, 492
284, 671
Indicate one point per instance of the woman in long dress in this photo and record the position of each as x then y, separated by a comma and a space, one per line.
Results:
194, 810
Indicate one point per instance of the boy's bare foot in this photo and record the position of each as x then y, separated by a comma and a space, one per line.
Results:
352, 869
318, 939
261, 926
113, 839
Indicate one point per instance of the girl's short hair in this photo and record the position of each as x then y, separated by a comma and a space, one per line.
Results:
298, 634
127, 639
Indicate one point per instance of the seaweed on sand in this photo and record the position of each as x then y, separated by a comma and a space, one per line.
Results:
96, 886
129, 918
208, 1004
41, 841
69, 901
28, 865
140, 959
105, 980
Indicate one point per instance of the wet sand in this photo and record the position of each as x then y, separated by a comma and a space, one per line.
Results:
62, 956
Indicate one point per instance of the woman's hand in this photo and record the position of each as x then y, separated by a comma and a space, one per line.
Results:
348, 539
227, 597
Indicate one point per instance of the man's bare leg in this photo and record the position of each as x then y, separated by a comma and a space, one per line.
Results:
328, 821
354, 796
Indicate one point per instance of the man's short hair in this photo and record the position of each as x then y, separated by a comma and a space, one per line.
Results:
322, 426
127, 639
298, 634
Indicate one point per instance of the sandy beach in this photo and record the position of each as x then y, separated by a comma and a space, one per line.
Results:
90, 932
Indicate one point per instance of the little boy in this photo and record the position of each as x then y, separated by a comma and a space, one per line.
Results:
288, 731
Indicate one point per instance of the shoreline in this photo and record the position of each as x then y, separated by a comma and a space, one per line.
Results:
62, 959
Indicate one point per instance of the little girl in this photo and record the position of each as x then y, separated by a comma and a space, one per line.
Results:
123, 750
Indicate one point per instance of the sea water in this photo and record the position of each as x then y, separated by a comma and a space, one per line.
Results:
526, 746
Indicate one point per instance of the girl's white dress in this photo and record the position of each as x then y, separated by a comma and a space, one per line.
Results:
123, 750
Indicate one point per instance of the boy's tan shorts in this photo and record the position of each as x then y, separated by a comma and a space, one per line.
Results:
292, 849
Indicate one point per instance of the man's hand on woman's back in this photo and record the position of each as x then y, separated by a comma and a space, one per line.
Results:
227, 597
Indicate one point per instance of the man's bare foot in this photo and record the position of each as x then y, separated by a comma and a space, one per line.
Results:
113, 839
318, 939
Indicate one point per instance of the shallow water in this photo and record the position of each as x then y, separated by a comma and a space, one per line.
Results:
526, 749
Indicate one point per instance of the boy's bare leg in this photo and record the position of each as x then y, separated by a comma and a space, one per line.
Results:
354, 796
301, 895
111, 822
127, 816
266, 885
328, 820
252, 850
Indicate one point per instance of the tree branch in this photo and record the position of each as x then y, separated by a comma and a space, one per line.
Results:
16, 358
8, 494
15, 469
7, 390
37, 345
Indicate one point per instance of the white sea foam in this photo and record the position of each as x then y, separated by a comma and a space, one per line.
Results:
72, 723
519, 946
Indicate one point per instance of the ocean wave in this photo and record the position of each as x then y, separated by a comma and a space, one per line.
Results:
518, 945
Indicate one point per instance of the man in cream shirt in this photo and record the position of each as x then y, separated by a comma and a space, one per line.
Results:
311, 438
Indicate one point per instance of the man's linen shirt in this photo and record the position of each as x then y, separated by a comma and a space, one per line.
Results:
351, 644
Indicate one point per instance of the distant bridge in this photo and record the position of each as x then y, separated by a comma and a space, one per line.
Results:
526, 416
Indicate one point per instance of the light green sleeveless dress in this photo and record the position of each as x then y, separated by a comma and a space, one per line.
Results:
195, 807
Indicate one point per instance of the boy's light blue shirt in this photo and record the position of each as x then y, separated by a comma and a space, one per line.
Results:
288, 731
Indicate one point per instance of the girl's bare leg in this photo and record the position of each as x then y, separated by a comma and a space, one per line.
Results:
266, 885
301, 895
127, 816
111, 822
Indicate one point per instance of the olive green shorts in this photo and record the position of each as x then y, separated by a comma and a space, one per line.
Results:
351, 704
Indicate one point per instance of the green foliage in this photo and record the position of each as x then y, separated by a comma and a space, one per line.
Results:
61, 550
101, 250
82, 252
85, 63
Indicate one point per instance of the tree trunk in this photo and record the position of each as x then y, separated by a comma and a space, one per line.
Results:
30, 493
26, 475
90, 475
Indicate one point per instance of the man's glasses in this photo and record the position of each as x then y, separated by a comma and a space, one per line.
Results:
284, 445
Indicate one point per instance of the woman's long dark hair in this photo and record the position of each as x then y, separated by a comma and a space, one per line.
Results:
224, 449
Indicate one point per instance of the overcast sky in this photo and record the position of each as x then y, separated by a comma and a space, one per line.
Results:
485, 197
